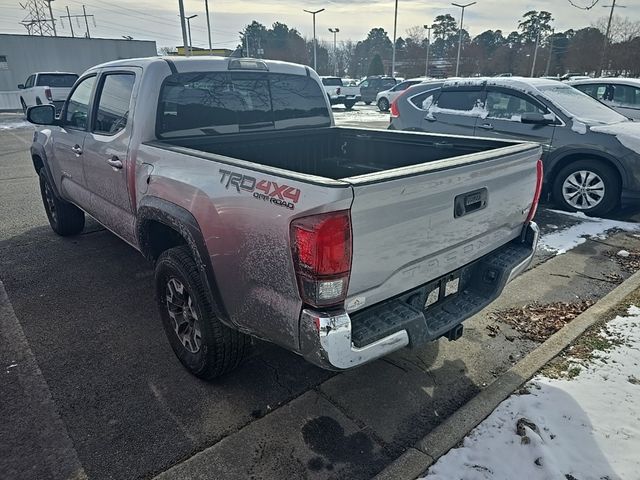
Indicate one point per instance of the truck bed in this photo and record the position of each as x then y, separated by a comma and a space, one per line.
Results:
336, 152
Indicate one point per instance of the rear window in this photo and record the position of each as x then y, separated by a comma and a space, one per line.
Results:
214, 103
332, 82
65, 80
424, 100
459, 99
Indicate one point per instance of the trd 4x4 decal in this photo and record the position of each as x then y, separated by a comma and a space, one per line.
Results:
282, 195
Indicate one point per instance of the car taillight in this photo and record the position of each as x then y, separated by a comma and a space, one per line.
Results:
538, 191
338, 91
394, 110
322, 257
47, 93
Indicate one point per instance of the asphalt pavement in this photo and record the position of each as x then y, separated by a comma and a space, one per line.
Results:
91, 388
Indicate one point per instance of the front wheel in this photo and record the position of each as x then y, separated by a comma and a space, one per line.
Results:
65, 218
367, 102
589, 186
203, 344
349, 104
383, 104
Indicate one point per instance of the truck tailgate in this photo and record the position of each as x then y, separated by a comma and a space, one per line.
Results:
415, 224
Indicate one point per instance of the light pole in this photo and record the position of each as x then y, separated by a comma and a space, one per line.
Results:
188, 19
206, 8
182, 25
535, 51
606, 36
426, 69
393, 54
461, 23
335, 49
315, 63
245, 43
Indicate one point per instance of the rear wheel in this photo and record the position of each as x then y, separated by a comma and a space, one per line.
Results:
589, 186
203, 344
65, 218
383, 104
349, 104
24, 106
367, 102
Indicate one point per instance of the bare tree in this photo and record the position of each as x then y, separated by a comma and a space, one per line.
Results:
623, 29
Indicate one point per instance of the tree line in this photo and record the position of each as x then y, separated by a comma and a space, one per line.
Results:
491, 52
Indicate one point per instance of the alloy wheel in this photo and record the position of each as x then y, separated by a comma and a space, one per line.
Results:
583, 189
182, 313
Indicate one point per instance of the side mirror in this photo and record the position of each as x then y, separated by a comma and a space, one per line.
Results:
21, 86
535, 119
42, 115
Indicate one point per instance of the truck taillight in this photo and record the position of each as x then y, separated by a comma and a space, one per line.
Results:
322, 257
338, 91
538, 191
47, 93
395, 112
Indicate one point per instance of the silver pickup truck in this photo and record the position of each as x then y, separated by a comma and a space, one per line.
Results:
266, 220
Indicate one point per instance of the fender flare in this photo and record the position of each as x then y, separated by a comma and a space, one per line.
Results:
553, 161
37, 150
184, 223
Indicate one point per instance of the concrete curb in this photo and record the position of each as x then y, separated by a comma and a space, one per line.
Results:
415, 461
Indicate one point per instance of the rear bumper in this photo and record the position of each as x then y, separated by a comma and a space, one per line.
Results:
338, 340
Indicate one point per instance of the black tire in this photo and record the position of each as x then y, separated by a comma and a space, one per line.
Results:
65, 218
220, 349
24, 106
609, 198
349, 105
383, 105
367, 102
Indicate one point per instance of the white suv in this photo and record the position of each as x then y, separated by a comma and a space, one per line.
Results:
384, 98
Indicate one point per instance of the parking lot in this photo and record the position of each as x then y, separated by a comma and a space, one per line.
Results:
91, 387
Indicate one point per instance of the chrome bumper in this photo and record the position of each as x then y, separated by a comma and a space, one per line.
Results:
325, 338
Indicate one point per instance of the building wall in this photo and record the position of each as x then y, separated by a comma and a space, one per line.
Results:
26, 54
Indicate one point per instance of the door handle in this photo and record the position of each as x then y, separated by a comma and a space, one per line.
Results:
115, 163
77, 149
486, 126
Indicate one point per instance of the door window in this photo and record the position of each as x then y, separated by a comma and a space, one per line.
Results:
113, 103
388, 83
461, 100
78, 104
505, 106
425, 100
626, 96
365, 83
29, 82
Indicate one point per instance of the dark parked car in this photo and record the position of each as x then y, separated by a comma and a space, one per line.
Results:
371, 86
591, 153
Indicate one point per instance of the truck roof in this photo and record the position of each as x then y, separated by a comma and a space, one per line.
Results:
200, 63
54, 73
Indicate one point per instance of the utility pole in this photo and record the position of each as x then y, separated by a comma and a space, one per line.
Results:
460, 39
315, 61
84, 14
188, 19
393, 54
535, 53
426, 68
70, 22
546, 70
606, 37
86, 22
53, 22
184, 28
335, 49
206, 8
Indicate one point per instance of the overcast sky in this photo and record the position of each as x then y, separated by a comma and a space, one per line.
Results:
158, 19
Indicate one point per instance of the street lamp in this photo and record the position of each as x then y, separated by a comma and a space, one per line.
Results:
426, 69
188, 19
206, 9
460, 40
393, 54
335, 49
315, 65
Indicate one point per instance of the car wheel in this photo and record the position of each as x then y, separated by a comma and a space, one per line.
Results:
367, 102
65, 218
383, 104
24, 106
203, 344
589, 186
349, 105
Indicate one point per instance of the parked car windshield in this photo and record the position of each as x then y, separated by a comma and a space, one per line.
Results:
57, 80
213, 103
580, 105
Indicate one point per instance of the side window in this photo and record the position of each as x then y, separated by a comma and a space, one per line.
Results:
113, 103
365, 83
461, 100
425, 99
78, 104
388, 84
626, 95
29, 82
506, 106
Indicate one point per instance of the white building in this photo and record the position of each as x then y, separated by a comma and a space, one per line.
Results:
22, 55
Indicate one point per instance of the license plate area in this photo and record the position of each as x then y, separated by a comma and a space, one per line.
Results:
470, 202
434, 293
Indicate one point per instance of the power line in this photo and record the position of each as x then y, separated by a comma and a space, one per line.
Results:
593, 4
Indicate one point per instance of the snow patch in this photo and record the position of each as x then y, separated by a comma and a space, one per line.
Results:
15, 125
426, 104
561, 241
578, 127
627, 133
584, 428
